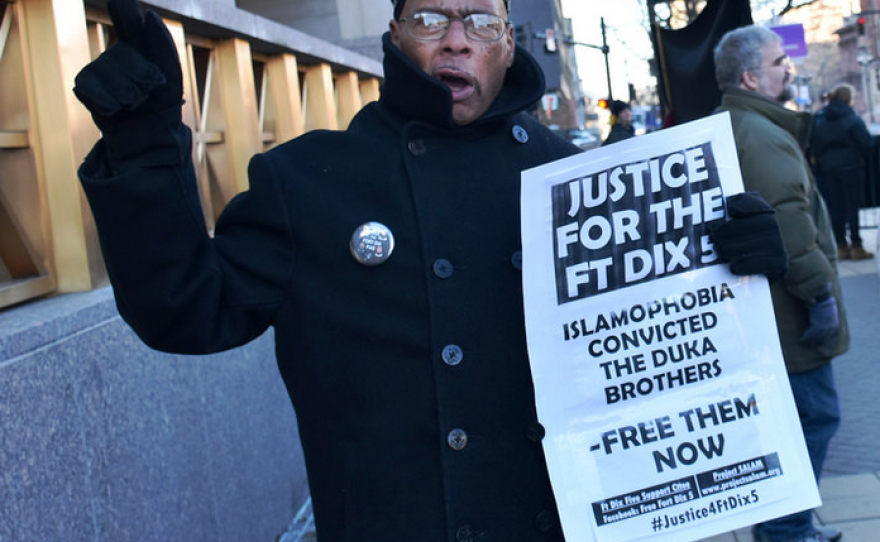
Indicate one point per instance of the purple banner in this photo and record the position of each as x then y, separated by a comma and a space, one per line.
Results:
793, 41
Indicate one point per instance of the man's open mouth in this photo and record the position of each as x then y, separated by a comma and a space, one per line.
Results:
460, 83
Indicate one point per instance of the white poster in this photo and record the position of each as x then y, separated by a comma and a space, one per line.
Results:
658, 374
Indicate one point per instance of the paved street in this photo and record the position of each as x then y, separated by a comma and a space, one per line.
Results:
856, 447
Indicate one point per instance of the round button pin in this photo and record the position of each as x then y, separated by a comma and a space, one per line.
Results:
372, 244
520, 134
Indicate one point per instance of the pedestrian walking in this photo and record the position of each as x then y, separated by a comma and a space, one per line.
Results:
842, 149
621, 123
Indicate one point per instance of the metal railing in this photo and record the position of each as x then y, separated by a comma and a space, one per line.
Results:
244, 93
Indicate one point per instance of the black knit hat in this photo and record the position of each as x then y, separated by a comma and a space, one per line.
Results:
617, 106
398, 6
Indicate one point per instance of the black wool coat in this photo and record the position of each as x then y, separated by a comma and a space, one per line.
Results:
840, 140
619, 132
403, 439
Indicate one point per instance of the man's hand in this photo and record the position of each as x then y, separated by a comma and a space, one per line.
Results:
141, 70
750, 241
134, 90
824, 322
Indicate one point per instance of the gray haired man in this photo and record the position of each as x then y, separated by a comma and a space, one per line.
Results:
753, 73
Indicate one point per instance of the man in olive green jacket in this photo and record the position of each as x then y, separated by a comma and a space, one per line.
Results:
752, 71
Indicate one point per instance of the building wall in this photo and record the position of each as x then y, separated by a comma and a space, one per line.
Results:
103, 439
363, 18
536, 16
531, 17
868, 47
334, 20
830, 59
315, 17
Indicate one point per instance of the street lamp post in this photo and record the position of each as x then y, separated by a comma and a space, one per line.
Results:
865, 59
551, 40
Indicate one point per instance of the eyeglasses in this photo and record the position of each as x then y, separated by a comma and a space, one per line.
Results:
781, 62
430, 25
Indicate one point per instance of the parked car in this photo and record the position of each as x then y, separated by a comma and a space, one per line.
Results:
584, 139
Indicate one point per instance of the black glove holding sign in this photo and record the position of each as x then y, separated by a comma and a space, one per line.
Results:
750, 241
134, 91
752, 244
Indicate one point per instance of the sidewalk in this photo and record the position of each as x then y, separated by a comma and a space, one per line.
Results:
849, 502
850, 486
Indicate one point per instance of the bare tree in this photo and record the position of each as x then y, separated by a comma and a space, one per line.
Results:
676, 13
825, 67
791, 5
679, 13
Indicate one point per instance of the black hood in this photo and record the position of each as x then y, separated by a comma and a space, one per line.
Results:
837, 110
414, 94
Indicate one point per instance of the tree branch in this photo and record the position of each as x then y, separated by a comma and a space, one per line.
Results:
791, 6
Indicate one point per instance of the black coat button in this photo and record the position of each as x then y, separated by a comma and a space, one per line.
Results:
457, 439
417, 147
545, 521
443, 268
535, 432
516, 260
519, 133
452, 355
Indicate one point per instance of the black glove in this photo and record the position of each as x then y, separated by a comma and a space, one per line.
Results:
824, 322
750, 241
134, 90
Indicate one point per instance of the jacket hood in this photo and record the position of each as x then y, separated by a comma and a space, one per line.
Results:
414, 94
796, 123
837, 110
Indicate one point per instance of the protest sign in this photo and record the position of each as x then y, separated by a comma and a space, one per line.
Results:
658, 374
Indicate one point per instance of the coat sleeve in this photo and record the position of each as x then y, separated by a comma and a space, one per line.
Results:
779, 172
179, 288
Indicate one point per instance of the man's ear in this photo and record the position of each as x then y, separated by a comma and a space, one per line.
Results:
395, 32
749, 81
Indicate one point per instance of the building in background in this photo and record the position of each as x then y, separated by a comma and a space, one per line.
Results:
542, 29
842, 38
830, 34
859, 40
353, 24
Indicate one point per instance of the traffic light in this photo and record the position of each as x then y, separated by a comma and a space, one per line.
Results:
860, 25
603, 103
